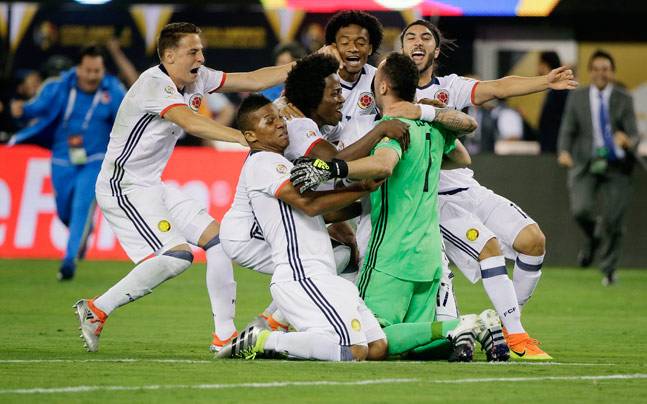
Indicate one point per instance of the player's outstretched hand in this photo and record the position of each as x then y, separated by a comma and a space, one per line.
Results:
397, 130
561, 78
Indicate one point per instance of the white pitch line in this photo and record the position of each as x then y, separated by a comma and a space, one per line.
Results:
86, 389
191, 361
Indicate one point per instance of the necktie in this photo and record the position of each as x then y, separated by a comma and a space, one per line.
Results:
605, 128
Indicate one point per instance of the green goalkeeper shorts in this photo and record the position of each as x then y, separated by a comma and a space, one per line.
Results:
394, 300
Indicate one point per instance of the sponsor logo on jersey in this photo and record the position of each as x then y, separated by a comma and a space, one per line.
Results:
168, 89
442, 95
365, 100
195, 101
356, 325
281, 169
311, 133
164, 226
472, 234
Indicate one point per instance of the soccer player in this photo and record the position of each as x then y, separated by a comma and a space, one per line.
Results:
154, 222
313, 86
481, 228
331, 321
401, 274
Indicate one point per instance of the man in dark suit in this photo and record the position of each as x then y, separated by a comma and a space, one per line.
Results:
553, 107
597, 139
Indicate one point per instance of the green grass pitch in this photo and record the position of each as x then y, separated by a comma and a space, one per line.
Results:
155, 350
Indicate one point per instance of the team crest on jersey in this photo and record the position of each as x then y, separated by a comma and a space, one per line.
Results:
281, 169
311, 133
195, 101
472, 234
105, 97
366, 101
168, 89
164, 226
442, 95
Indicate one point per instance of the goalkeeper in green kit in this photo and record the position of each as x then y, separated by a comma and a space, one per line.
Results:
400, 277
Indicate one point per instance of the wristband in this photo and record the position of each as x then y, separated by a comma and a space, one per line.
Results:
427, 112
339, 168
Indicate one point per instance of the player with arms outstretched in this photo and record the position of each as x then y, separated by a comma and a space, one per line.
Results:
154, 222
481, 228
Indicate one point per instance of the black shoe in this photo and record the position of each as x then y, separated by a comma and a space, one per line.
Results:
587, 254
66, 273
609, 279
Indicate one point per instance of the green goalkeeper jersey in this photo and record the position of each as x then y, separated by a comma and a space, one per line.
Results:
405, 235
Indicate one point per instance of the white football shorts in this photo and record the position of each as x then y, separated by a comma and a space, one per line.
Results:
154, 219
327, 304
470, 218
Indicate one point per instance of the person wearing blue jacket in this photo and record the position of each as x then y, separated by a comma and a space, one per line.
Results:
73, 116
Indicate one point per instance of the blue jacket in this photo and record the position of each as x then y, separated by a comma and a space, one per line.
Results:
48, 107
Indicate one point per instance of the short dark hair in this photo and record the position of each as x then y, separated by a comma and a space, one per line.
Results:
345, 18
402, 74
251, 104
172, 33
550, 58
293, 48
306, 82
441, 41
92, 50
604, 55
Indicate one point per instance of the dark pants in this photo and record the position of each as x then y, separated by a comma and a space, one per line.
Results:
599, 203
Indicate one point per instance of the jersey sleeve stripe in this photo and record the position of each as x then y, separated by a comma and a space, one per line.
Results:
312, 146
165, 110
222, 81
473, 92
284, 183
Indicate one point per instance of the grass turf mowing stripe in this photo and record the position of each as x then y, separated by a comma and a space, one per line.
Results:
86, 389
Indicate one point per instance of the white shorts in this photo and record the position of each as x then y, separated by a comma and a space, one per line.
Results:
470, 218
327, 304
253, 254
153, 220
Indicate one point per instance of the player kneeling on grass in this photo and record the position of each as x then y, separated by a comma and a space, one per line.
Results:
331, 321
402, 270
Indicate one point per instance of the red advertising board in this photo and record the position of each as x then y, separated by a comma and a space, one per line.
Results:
29, 227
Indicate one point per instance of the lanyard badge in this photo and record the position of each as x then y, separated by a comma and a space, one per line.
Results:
76, 151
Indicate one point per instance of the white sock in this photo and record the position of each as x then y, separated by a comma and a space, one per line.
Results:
526, 274
143, 279
500, 290
270, 309
222, 291
308, 345
446, 308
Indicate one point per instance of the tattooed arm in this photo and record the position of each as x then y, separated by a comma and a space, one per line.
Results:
456, 121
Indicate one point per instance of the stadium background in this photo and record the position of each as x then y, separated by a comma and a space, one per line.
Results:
494, 39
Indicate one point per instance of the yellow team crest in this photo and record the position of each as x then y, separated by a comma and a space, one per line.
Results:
164, 226
472, 234
356, 325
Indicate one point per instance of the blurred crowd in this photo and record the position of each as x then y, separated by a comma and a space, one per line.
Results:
502, 129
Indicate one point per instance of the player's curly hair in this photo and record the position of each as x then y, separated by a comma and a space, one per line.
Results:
345, 18
251, 104
402, 74
306, 81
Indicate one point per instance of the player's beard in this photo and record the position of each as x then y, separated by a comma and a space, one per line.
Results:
429, 65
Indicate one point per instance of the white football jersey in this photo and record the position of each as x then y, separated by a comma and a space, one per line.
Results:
457, 92
359, 110
141, 141
300, 244
304, 134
